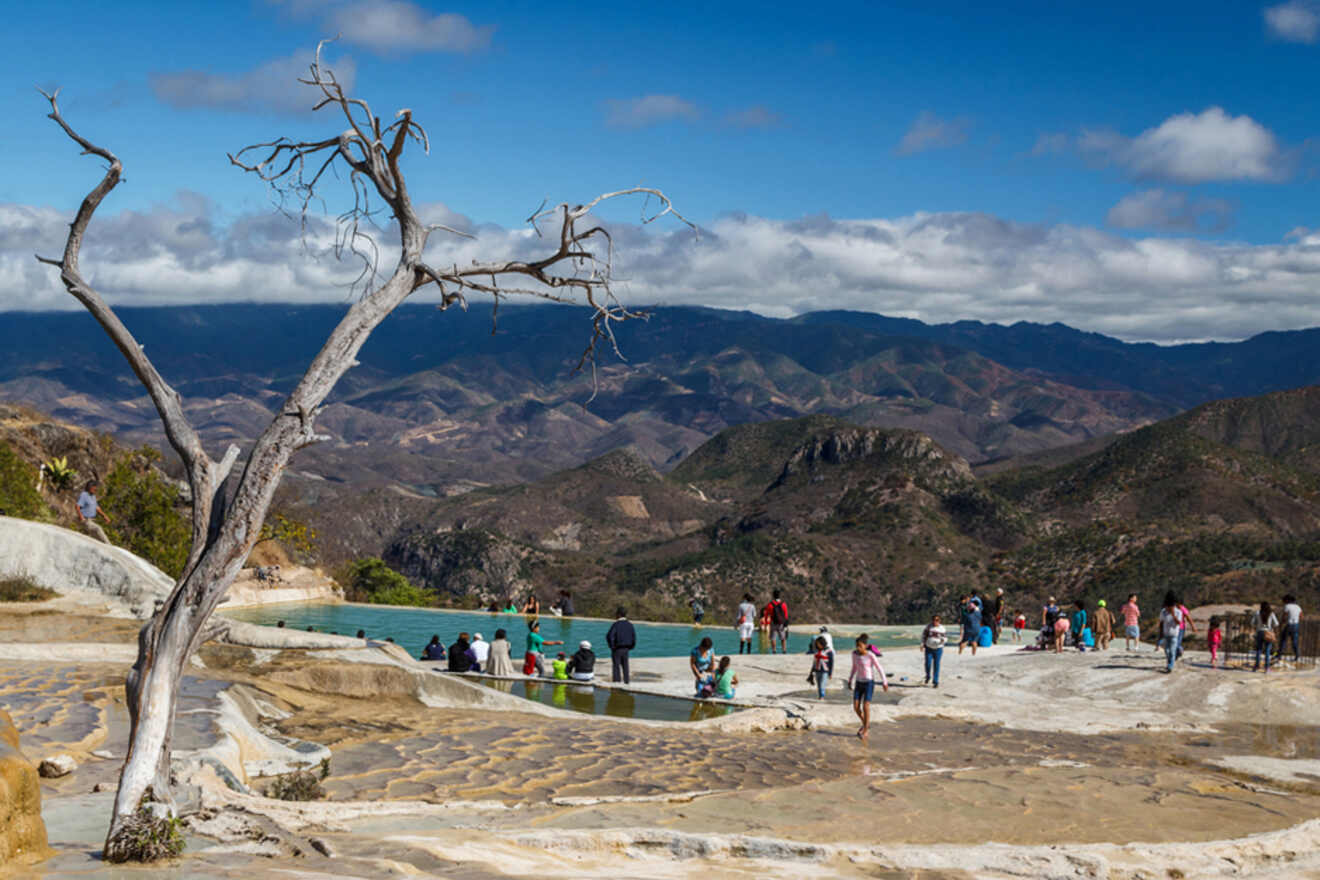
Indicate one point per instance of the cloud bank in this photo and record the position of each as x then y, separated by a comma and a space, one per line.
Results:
936, 267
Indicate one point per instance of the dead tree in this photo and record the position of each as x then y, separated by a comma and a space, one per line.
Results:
574, 269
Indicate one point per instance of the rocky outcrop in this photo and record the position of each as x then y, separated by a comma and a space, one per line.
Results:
22, 833
461, 563
68, 562
911, 451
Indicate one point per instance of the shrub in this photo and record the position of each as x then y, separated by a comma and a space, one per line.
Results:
18, 487
147, 837
300, 785
22, 588
296, 536
59, 473
371, 580
143, 505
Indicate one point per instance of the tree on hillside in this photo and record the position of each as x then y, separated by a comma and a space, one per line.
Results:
575, 268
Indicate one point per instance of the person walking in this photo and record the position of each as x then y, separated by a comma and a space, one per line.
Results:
1078, 624
822, 664
933, 640
621, 639
1292, 626
777, 611
745, 623
1266, 624
1103, 630
698, 610
866, 669
500, 659
88, 509
1131, 623
1171, 629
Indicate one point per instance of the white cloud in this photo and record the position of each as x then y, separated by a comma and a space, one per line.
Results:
1049, 143
929, 132
1193, 148
756, 116
648, 110
1297, 21
394, 26
272, 87
936, 267
1163, 209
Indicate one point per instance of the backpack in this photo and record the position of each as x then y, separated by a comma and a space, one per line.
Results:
778, 613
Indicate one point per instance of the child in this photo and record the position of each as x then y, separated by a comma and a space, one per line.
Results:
1131, 622
1214, 638
560, 667
820, 667
865, 669
725, 680
1019, 624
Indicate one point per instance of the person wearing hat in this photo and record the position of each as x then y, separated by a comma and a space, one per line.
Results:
1102, 627
582, 665
480, 651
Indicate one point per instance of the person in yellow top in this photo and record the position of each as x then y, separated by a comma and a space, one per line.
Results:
559, 667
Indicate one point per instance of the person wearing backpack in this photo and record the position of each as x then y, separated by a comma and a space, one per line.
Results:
777, 611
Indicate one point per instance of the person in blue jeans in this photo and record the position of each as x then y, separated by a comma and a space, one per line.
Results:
1171, 629
1266, 624
933, 640
1292, 625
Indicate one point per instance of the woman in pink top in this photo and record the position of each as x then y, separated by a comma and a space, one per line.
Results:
1131, 623
866, 669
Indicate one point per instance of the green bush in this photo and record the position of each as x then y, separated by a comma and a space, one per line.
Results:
143, 507
294, 535
18, 487
371, 580
300, 785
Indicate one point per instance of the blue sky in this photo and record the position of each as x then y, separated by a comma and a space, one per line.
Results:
1157, 156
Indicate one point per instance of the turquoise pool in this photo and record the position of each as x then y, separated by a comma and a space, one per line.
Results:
606, 701
413, 627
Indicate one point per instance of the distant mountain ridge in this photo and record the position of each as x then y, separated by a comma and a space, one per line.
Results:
444, 402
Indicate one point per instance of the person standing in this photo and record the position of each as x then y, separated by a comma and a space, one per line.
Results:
1131, 623
1292, 626
777, 611
996, 614
1078, 624
500, 658
745, 622
1266, 623
866, 669
1019, 624
971, 624
1104, 625
933, 639
88, 509
698, 610
1171, 629
534, 659
621, 639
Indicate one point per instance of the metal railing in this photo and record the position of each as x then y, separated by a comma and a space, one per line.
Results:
1239, 645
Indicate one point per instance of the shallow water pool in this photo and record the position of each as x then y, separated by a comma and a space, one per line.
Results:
610, 701
413, 627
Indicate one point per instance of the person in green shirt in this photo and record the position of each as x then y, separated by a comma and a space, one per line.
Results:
560, 667
725, 680
534, 659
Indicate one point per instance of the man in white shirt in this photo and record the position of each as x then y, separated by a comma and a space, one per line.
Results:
1292, 625
481, 650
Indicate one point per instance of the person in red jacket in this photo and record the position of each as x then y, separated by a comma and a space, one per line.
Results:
777, 611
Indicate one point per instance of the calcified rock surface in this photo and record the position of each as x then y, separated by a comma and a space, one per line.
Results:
1020, 765
22, 833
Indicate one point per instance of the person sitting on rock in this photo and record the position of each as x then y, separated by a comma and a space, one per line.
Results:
582, 665
434, 650
460, 656
559, 667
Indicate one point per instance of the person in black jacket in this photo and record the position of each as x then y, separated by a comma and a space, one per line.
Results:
459, 658
621, 638
582, 665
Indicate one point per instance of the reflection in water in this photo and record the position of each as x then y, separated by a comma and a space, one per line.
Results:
583, 698
560, 697
500, 684
763, 641
620, 704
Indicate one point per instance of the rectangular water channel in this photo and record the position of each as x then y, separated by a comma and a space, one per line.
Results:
615, 702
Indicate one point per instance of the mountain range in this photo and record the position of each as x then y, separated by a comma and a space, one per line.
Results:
443, 402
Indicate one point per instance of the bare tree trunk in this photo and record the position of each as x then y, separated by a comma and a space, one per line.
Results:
371, 153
